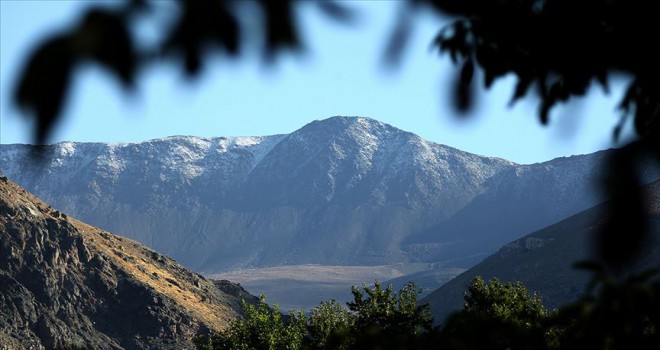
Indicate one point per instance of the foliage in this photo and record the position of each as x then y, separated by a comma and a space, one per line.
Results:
557, 49
393, 312
613, 315
262, 328
103, 36
505, 301
380, 319
504, 315
329, 326
622, 314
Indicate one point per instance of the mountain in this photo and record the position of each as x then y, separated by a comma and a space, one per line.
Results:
65, 284
341, 191
515, 202
544, 259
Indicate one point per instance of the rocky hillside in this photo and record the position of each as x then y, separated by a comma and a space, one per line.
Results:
341, 191
543, 260
65, 284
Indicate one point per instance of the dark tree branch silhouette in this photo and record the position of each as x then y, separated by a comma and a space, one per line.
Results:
103, 36
556, 50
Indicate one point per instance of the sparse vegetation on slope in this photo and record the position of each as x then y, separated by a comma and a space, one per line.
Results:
65, 284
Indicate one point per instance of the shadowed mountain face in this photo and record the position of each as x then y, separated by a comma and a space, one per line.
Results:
543, 260
515, 202
337, 192
66, 284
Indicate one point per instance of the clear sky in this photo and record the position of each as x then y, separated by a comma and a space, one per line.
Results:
339, 74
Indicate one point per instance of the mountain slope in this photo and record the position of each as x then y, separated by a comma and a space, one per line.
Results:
64, 283
340, 191
543, 260
517, 201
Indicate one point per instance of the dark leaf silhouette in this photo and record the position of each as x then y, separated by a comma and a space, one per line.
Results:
399, 37
103, 37
463, 88
281, 29
626, 231
203, 25
562, 47
521, 90
336, 11
44, 83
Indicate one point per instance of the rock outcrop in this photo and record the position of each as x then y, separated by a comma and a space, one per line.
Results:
65, 284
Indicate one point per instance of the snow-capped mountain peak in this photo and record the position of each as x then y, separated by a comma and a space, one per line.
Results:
341, 190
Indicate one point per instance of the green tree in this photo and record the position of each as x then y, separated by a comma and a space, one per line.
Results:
262, 327
505, 301
377, 318
389, 311
329, 326
499, 316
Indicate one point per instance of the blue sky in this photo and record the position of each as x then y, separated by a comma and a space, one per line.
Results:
339, 74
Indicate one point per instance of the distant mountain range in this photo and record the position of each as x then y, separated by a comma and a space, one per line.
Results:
340, 191
544, 259
67, 285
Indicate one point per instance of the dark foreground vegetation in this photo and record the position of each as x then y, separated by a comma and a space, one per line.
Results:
613, 315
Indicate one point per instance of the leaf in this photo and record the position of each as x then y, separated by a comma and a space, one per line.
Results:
44, 84
336, 11
619, 127
467, 72
489, 78
200, 26
602, 79
629, 96
549, 101
398, 40
521, 89
463, 91
544, 111
281, 31
104, 38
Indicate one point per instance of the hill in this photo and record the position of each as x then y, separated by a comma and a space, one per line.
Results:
544, 259
66, 284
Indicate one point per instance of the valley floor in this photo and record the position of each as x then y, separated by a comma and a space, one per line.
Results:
302, 287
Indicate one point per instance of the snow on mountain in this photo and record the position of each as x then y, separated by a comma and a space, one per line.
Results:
344, 190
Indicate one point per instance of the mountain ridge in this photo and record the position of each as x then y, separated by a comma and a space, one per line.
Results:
340, 191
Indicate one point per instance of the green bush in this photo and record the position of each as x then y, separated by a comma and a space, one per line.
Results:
376, 318
262, 327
